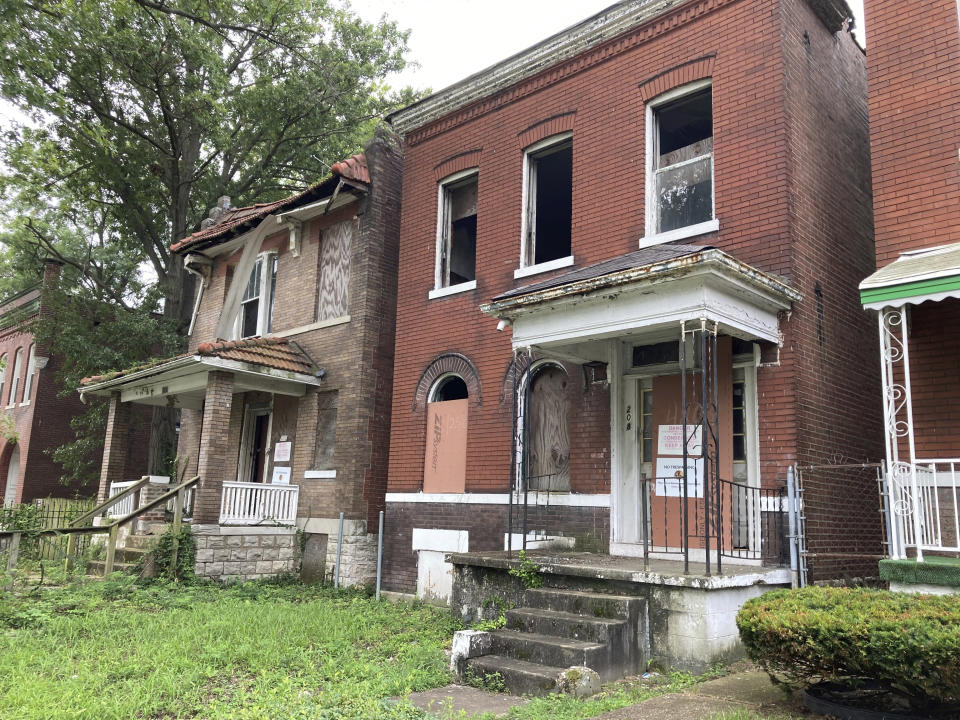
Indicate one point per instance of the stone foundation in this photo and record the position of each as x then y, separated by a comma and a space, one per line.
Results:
358, 558
230, 554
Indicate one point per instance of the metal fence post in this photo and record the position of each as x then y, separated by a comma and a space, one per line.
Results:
791, 514
379, 555
336, 579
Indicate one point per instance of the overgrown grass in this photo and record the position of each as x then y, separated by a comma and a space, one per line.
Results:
113, 649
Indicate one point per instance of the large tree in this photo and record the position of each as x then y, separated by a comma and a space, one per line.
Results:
144, 112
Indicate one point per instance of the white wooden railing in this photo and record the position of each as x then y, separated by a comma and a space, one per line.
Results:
258, 503
923, 501
126, 506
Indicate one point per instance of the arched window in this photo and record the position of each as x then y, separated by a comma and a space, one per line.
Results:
445, 460
15, 378
31, 370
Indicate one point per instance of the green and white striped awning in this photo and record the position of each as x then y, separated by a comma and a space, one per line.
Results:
913, 278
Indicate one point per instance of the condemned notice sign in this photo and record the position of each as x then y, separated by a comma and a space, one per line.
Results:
670, 440
670, 477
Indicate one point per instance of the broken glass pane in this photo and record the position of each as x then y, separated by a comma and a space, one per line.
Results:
685, 194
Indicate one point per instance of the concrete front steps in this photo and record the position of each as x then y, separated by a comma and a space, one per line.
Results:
558, 629
134, 548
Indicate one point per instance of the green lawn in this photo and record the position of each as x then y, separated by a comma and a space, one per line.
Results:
108, 650
114, 650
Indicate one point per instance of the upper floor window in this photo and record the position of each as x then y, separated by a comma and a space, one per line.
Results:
15, 378
3, 374
457, 233
680, 162
548, 203
31, 370
256, 305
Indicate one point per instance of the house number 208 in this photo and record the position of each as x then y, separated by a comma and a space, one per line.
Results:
629, 417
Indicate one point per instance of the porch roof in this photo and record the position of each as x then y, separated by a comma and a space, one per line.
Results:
654, 287
266, 364
913, 278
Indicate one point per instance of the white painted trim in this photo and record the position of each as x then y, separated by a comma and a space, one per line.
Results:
440, 540
320, 474
543, 267
342, 320
525, 199
438, 289
679, 92
452, 289
680, 233
543, 499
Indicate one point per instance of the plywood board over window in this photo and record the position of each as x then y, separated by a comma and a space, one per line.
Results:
549, 431
445, 464
335, 271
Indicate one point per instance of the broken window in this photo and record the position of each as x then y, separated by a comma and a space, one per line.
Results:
457, 251
324, 447
682, 181
549, 201
256, 305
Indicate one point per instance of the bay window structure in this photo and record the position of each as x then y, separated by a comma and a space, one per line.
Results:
548, 205
256, 305
457, 235
680, 164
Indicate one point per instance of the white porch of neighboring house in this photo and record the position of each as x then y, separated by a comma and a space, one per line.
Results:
917, 298
244, 490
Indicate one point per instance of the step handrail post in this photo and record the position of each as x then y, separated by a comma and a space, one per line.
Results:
177, 518
111, 549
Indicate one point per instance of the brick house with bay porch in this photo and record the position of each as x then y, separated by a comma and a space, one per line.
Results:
661, 171
285, 389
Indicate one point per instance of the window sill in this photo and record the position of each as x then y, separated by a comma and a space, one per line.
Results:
452, 290
319, 325
543, 267
320, 475
25, 403
680, 233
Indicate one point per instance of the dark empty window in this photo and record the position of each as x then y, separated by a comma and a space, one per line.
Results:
458, 232
450, 388
549, 203
683, 161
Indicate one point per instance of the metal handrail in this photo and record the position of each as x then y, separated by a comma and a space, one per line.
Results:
112, 527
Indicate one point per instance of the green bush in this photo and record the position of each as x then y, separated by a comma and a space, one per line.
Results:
908, 643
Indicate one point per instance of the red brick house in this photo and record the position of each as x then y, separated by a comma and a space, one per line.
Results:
914, 89
666, 190
285, 388
35, 417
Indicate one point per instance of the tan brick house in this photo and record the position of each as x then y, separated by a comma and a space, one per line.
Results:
285, 389
649, 224
914, 89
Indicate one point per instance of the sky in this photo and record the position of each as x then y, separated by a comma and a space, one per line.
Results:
452, 39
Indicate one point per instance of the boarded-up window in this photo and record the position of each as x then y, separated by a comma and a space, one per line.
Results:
335, 271
549, 436
326, 431
445, 464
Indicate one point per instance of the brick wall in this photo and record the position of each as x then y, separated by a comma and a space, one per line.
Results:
792, 195
913, 71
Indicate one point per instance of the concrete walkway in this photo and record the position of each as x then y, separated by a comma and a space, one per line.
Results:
751, 691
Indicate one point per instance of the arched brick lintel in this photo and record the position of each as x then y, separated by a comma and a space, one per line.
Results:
457, 163
454, 363
541, 129
687, 72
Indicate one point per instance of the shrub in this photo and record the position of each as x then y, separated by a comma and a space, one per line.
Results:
908, 643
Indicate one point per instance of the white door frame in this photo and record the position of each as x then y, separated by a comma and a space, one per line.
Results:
250, 414
13, 476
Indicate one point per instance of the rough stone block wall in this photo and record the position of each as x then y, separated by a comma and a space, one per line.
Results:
230, 554
358, 559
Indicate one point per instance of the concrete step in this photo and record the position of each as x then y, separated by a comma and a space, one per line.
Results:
140, 542
130, 554
565, 624
549, 650
157, 528
598, 605
97, 567
518, 676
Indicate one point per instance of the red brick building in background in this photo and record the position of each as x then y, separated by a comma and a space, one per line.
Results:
913, 74
598, 195
36, 417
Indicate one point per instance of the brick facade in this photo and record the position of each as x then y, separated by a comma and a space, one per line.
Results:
792, 196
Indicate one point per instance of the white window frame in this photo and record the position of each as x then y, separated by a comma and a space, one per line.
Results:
443, 200
15, 380
263, 265
528, 218
28, 380
652, 237
3, 374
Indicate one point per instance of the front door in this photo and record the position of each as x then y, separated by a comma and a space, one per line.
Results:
254, 445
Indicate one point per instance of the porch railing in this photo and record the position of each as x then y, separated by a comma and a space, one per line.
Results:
130, 500
258, 504
922, 506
